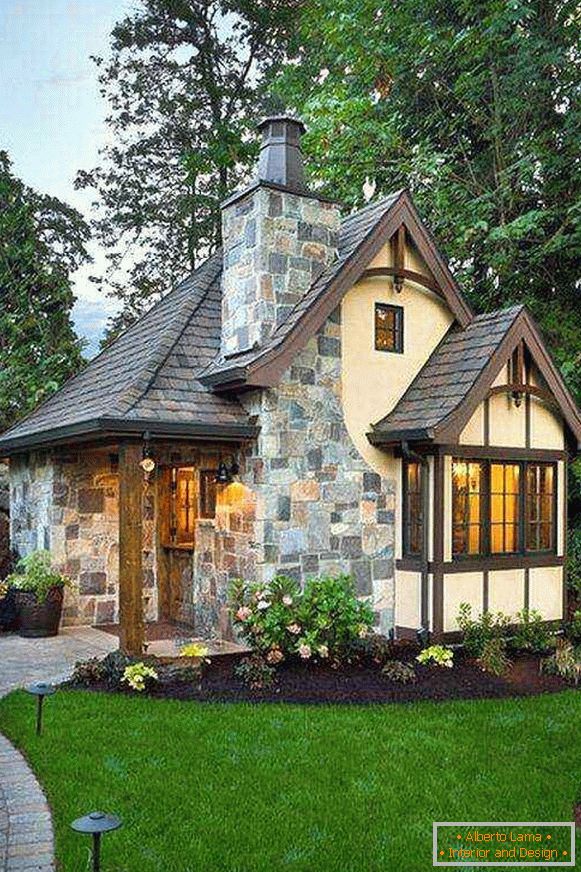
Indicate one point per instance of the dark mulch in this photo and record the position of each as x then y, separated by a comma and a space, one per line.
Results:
305, 683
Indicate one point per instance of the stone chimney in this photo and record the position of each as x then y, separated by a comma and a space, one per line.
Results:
277, 236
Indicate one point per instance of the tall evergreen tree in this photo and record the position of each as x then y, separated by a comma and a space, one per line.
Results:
42, 240
184, 84
473, 104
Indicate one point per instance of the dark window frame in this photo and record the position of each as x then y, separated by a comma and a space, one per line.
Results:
407, 522
522, 549
482, 493
398, 327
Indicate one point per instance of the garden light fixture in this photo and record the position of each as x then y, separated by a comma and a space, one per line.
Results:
40, 690
95, 824
227, 472
148, 463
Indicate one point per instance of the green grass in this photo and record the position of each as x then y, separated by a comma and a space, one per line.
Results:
262, 788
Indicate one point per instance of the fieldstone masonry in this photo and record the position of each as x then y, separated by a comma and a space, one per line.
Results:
319, 507
275, 244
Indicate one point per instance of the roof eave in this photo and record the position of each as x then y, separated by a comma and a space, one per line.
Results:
393, 437
103, 428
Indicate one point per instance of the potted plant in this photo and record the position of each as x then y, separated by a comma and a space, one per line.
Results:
39, 595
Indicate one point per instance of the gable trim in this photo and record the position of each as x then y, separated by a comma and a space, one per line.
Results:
523, 329
268, 369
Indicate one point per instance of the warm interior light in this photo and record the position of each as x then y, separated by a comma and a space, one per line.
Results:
147, 464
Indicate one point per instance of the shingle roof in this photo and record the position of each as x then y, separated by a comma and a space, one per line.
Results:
447, 378
354, 230
150, 372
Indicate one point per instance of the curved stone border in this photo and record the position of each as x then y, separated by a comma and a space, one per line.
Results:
26, 837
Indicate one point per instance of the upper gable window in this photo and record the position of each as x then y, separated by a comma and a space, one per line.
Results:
388, 328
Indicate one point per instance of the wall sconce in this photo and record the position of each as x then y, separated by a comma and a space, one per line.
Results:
148, 463
226, 474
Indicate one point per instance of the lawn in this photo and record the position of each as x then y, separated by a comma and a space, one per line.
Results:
260, 788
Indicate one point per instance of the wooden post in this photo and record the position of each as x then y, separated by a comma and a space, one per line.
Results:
131, 548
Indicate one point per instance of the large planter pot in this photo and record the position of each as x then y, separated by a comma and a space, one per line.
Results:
8, 611
36, 619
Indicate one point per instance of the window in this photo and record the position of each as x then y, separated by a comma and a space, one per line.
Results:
540, 506
412, 509
467, 491
207, 493
183, 486
388, 328
504, 507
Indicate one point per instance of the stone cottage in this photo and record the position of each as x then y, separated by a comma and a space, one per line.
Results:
317, 397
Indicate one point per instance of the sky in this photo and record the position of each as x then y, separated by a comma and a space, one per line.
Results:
52, 115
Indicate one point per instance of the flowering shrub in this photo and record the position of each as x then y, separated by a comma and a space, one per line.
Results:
437, 655
137, 675
280, 620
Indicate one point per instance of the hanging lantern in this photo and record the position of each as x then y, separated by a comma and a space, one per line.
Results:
223, 474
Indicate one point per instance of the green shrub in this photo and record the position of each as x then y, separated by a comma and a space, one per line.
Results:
532, 634
401, 673
436, 655
279, 619
574, 560
477, 631
34, 573
565, 662
493, 658
256, 673
573, 629
372, 650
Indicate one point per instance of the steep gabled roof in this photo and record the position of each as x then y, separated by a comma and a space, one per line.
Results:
362, 236
458, 375
147, 378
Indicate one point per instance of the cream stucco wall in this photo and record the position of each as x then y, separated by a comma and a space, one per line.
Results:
506, 591
373, 381
407, 599
547, 429
461, 587
473, 432
546, 591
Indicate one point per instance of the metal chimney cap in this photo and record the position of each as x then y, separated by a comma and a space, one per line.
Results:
271, 119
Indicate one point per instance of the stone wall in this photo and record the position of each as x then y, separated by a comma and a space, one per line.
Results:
275, 245
67, 502
5, 551
319, 507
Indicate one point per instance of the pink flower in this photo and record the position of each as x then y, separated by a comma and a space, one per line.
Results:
243, 613
275, 655
294, 629
323, 651
262, 605
287, 600
305, 651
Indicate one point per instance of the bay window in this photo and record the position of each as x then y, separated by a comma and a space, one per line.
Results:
413, 523
502, 507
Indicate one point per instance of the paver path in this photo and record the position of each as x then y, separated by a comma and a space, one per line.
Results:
26, 837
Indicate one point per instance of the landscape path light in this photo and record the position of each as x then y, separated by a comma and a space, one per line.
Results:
40, 690
95, 824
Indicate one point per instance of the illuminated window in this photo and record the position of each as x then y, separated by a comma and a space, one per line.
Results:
184, 499
388, 328
412, 509
504, 508
540, 506
467, 491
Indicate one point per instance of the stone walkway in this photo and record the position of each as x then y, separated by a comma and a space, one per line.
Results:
26, 837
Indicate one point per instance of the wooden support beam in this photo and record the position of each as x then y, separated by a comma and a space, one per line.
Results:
398, 243
131, 548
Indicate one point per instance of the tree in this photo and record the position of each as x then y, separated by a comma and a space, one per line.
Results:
42, 240
473, 105
184, 87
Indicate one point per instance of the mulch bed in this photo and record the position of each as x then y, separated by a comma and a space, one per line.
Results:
305, 683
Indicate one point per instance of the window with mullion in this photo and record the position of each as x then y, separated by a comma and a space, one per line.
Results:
467, 505
540, 502
413, 525
504, 508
